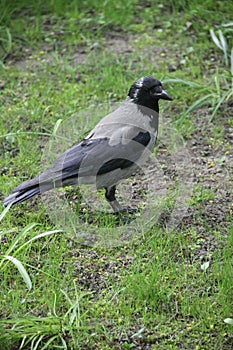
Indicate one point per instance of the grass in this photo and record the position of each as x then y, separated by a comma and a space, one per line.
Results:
164, 288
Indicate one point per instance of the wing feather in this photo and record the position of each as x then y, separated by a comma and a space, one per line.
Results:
90, 157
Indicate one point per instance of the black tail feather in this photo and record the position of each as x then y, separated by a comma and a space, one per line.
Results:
21, 196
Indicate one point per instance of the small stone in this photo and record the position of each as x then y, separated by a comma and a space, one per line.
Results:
2, 85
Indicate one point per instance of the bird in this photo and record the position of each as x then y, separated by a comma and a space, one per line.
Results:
120, 143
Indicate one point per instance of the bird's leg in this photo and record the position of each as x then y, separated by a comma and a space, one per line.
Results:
111, 198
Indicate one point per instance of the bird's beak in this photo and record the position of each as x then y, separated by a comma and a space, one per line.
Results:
165, 96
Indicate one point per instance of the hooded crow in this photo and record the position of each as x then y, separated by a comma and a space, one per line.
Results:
119, 144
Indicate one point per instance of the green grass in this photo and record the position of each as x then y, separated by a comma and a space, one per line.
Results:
165, 289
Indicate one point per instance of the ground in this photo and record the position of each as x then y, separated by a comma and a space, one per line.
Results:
169, 287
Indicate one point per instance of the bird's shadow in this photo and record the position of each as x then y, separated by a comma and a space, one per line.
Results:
88, 215
103, 219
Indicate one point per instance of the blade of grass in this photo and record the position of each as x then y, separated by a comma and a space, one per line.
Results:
46, 345
198, 103
56, 126
217, 84
21, 269
5, 212
18, 238
44, 234
218, 105
215, 39
186, 82
231, 67
33, 133
224, 46
35, 347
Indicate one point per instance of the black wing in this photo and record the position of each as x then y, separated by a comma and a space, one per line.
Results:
142, 138
90, 157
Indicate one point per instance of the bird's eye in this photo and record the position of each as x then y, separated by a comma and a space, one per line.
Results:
157, 89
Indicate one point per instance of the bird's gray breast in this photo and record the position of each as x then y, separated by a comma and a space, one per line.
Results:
126, 122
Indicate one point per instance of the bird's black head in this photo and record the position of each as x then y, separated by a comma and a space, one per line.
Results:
147, 91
